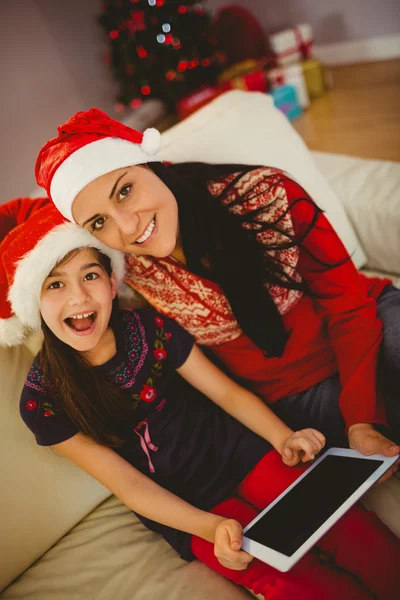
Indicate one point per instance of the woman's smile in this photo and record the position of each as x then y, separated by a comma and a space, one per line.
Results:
148, 233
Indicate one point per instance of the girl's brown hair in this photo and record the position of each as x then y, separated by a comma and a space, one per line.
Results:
96, 407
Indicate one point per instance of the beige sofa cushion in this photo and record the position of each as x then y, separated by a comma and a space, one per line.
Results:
110, 555
369, 191
42, 495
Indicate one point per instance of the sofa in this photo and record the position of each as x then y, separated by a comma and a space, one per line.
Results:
63, 535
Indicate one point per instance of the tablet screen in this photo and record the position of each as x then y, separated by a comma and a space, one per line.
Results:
310, 503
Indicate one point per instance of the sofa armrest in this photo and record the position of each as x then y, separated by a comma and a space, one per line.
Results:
369, 192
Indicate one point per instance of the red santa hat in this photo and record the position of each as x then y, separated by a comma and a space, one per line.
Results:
89, 145
27, 255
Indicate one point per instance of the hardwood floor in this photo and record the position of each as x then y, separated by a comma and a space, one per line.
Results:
360, 115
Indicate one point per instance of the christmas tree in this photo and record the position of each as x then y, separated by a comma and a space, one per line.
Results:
158, 48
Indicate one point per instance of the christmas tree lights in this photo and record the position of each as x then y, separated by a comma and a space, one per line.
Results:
158, 49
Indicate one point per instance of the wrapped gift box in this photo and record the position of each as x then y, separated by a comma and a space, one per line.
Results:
241, 68
252, 82
292, 45
314, 77
285, 98
292, 75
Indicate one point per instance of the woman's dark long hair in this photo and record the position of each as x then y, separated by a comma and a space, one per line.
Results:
211, 235
96, 407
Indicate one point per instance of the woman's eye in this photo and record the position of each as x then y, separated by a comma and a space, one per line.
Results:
91, 276
124, 192
97, 224
56, 285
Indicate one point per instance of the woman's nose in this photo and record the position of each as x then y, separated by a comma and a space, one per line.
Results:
127, 223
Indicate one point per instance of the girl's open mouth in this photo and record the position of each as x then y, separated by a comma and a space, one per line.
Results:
83, 323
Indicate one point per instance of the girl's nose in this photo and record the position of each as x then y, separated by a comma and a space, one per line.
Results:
79, 295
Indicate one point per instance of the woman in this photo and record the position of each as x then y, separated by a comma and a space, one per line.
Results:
243, 259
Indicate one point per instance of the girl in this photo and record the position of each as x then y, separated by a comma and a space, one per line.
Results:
103, 392
243, 259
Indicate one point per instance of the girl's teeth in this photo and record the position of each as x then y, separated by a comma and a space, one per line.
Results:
147, 233
82, 316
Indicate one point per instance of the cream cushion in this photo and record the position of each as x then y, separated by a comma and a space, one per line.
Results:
369, 192
110, 555
42, 495
246, 127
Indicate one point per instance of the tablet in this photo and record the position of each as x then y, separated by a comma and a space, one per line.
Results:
282, 533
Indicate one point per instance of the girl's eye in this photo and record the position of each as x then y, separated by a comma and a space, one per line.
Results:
91, 276
98, 224
56, 285
124, 192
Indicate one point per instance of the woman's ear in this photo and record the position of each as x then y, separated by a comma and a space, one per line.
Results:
113, 281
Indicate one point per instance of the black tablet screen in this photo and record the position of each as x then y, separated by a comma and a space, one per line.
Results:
310, 503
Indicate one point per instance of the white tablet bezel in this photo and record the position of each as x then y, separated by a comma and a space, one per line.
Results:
281, 561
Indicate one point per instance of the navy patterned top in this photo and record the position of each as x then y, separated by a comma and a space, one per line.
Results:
180, 439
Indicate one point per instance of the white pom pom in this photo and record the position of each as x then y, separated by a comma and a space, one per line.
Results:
12, 332
151, 141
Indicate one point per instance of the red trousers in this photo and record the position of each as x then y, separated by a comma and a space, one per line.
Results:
360, 558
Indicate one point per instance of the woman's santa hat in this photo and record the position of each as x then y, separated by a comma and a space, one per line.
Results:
27, 255
89, 145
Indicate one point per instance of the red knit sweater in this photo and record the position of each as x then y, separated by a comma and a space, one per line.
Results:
337, 333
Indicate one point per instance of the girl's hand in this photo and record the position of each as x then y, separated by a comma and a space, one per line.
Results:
228, 543
302, 446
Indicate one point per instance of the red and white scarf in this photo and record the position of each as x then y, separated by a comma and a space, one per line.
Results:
198, 304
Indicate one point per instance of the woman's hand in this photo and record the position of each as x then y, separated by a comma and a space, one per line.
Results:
228, 543
367, 440
302, 446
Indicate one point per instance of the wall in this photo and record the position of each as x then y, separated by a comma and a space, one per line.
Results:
332, 21
51, 67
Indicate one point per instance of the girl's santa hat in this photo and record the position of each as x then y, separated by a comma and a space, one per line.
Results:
27, 256
89, 145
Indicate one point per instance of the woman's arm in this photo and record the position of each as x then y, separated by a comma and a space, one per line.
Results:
249, 409
354, 329
137, 491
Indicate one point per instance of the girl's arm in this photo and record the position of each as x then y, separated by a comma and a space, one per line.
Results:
249, 409
144, 496
138, 492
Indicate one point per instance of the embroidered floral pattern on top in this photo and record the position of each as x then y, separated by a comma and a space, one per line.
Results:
125, 374
149, 393
35, 380
48, 409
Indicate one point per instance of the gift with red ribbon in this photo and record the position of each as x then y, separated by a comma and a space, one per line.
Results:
252, 82
292, 45
293, 75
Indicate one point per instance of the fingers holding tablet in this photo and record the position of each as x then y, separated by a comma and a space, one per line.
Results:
364, 438
228, 543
